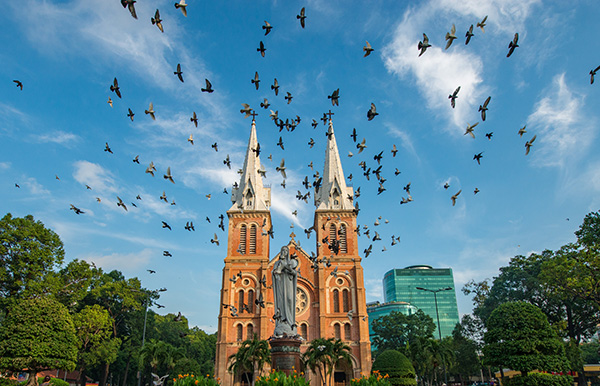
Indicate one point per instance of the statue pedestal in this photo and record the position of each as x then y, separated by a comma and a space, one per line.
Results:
285, 354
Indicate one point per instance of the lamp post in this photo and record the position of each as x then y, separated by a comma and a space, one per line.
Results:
155, 292
437, 314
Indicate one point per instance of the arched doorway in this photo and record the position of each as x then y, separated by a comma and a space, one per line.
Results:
342, 373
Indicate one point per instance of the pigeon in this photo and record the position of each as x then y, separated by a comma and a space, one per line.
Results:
215, 146
353, 135
450, 36
129, 4
215, 240
165, 225
178, 72
469, 35
481, 24
261, 49
335, 96
151, 169
489, 135
191, 139
246, 110
592, 73
512, 45
469, 129
167, 254
73, 207
288, 98
156, 20
483, 108
275, 87
476, 191
453, 97
280, 143
372, 112
528, 144
150, 111
367, 49
302, 17
115, 88
267, 27
158, 381
522, 131
178, 317
20, 84
137, 159
454, 197
121, 203
110, 102
256, 80
194, 119
183, 6
265, 105
423, 45
151, 271
189, 226
130, 114
477, 157
394, 150
163, 197
227, 162
208, 88
107, 148
168, 176
361, 146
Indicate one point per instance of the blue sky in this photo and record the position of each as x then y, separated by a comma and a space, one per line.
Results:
67, 53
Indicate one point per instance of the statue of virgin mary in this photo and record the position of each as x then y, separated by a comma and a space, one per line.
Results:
285, 282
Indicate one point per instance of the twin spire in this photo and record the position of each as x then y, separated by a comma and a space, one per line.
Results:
331, 194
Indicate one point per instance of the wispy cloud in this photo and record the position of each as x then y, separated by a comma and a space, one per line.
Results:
131, 262
35, 187
406, 140
96, 176
5, 165
60, 137
558, 121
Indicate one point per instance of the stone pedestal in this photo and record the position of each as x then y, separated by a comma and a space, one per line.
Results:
285, 354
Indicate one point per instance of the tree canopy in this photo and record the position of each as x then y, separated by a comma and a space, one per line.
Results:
396, 330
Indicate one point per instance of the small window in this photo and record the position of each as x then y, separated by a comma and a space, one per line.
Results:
347, 332
240, 332
243, 230
337, 333
253, 239
346, 300
250, 301
250, 331
241, 301
336, 300
332, 233
304, 331
343, 242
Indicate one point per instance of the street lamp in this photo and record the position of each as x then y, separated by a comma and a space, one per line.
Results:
148, 301
435, 292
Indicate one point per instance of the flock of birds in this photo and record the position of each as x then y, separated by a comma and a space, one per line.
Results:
290, 124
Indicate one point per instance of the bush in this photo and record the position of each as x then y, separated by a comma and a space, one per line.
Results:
8, 382
53, 381
279, 378
397, 366
539, 379
191, 380
375, 379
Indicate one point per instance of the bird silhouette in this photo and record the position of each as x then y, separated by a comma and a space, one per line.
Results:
302, 17
528, 144
481, 24
261, 48
450, 36
183, 6
469, 34
453, 97
367, 49
157, 20
372, 112
592, 73
168, 176
288, 97
267, 27
512, 45
130, 5
256, 80
275, 86
115, 88
178, 72
165, 225
73, 207
424, 45
19, 84
483, 108
335, 96
151, 111
194, 119
209, 88
454, 197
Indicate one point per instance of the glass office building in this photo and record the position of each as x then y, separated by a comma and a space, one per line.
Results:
400, 285
377, 309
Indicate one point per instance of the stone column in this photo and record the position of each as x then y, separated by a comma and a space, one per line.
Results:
285, 354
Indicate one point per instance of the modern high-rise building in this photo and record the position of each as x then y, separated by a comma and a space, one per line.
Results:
377, 310
400, 285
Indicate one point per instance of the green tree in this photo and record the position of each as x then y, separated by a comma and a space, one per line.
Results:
396, 330
28, 253
37, 334
322, 355
252, 356
397, 366
519, 337
465, 350
93, 325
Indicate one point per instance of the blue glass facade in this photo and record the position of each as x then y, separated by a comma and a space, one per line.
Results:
400, 285
376, 310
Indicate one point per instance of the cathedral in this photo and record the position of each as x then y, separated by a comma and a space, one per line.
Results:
330, 295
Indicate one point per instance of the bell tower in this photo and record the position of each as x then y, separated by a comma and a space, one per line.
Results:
246, 263
342, 298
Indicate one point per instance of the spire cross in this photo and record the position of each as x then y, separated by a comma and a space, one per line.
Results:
292, 235
330, 114
254, 114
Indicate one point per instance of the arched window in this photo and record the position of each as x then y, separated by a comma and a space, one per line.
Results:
240, 332
250, 298
337, 333
241, 301
346, 300
347, 332
250, 331
336, 198
243, 230
332, 233
249, 198
343, 243
304, 331
336, 300
252, 239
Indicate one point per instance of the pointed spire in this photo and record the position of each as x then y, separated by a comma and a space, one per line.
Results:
250, 193
333, 192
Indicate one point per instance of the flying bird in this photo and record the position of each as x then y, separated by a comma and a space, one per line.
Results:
592, 73
281, 168
454, 197
74, 208
512, 45
165, 225
227, 162
151, 111
275, 86
522, 131
424, 45
183, 6
477, 157
167, 254
481, 24
483, 108
130, 114
288, 97
157, 20
208, 88
450, 36
372, 112
215, 240
302, 17
107, 148
168, 176
255, 81
261, 48
267, 27
191, 139
469, 35
528, 144
453, 97
151, 168
20, 84
335, 96
194, 119
178, 72
265, 105
129, 4
121, 203
115, 88
394, 150
246, 110
469, 129
367, 49
110, 102
361, 146
489, 135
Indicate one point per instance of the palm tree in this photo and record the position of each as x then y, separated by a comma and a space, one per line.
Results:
322, 355
252, 355
339, 350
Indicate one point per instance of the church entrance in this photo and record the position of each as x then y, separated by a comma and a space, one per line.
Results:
343, 373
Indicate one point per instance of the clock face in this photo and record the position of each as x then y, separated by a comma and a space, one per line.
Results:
301, 301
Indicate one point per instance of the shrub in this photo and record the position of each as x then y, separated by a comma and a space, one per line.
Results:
397, 366
375, 379
53, 381
279, 378
192, 380
539, 379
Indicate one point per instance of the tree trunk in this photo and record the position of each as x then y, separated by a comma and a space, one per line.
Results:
126, 371
32, 379
104, 376
82, 381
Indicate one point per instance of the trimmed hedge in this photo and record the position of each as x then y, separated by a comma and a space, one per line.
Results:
397, 366
539, 379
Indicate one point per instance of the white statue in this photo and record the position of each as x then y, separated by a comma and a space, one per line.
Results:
285, 282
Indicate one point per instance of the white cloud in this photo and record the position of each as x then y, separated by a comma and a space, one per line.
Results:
374, 290
59, 137
557, 121
5, 165
35, 187
94, 175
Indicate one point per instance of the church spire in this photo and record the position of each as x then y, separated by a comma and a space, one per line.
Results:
250, 193
333, 192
